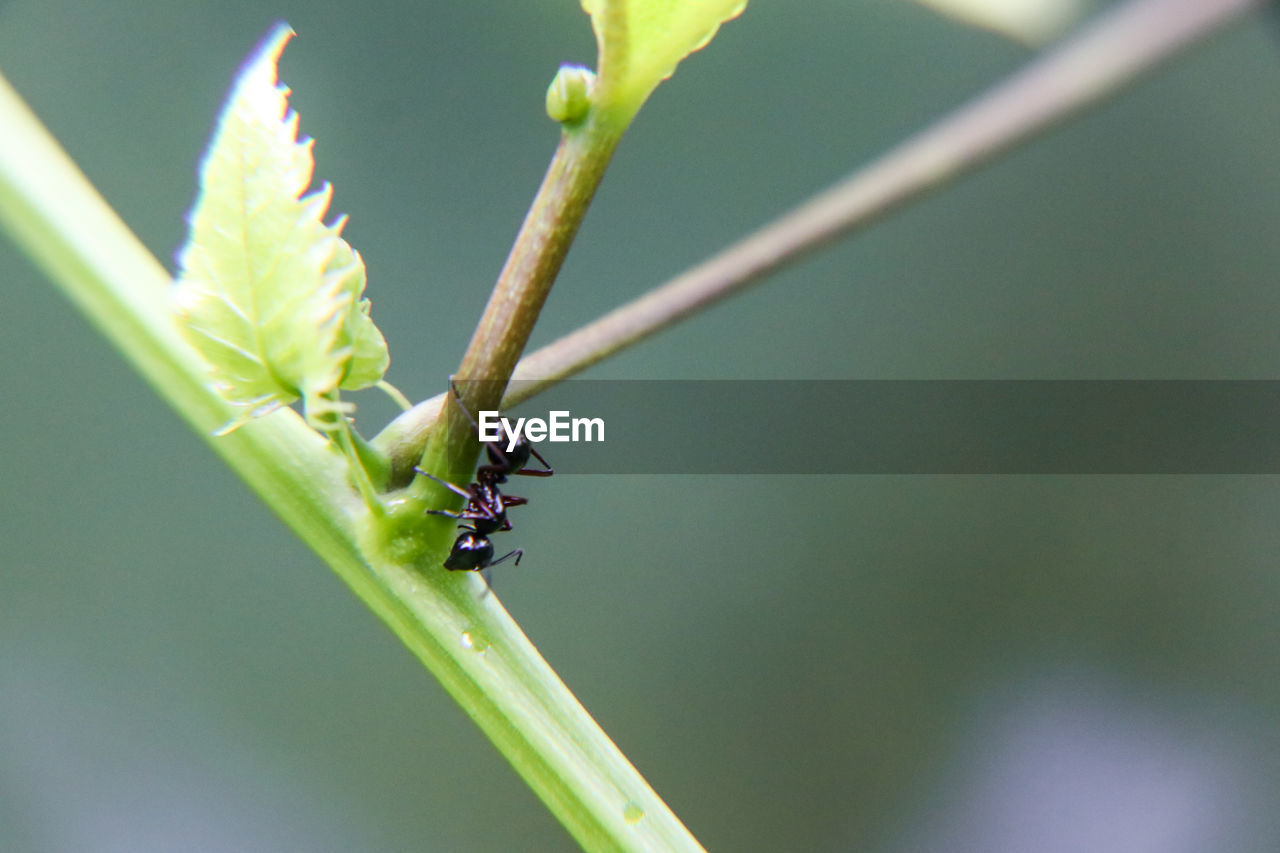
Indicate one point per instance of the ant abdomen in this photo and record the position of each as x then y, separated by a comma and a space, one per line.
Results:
473, 552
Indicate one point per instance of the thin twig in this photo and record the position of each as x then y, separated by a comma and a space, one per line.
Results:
1105, 55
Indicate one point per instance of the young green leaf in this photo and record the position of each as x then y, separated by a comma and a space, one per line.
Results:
369, 358
268, 293
640, 42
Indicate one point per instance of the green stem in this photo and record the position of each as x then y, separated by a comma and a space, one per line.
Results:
462, 634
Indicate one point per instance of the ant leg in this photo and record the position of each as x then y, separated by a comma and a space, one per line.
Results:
451, 487
488, 578
546, 470
457, 490
517, 553
457, 395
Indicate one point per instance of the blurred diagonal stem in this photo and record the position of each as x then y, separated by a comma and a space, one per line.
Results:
1104, 56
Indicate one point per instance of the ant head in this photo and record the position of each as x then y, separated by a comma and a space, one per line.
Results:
511, 460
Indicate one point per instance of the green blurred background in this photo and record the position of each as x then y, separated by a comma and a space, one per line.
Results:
879, 663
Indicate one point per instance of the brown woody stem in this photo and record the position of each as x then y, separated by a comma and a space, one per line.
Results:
531, 268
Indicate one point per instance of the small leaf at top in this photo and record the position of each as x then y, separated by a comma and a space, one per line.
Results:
268, 292
640, 42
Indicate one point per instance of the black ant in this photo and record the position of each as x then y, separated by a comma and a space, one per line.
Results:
486, 510
486, 506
